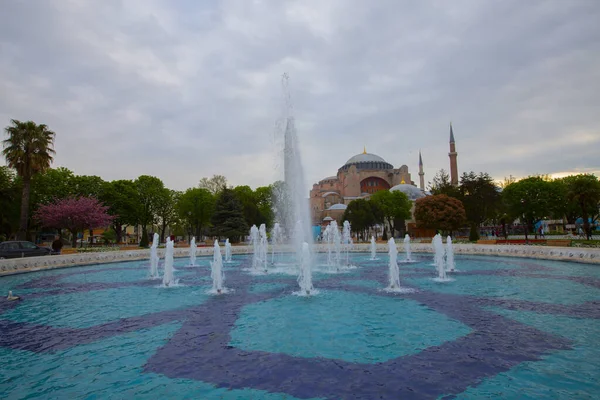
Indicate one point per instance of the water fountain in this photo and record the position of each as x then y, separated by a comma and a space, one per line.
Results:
216, 271
347, 241
154, 257
373, 249
305, 276
292, 206
407, 248
263, 247
394, 273
450, 264
168, 277
193, 250
227, 251
440, 264
276, 240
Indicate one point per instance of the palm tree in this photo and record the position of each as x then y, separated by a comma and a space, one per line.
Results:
29, 150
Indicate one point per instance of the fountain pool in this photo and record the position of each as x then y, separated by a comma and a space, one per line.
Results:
505, 328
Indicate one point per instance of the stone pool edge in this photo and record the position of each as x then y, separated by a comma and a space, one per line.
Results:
33, 264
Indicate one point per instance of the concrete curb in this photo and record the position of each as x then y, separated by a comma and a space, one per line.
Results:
32, 264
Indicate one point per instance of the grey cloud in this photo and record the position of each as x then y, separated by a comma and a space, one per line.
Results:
189, 89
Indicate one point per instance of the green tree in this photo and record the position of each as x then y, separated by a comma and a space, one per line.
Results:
394, 206
10, 190
120, 197
440, 212
148, 189
247, 198
361, 215
195, 208
257, 204
228, 220
583, 191
29, 150
264, 201
87, 186
531, 200
214, 185
51, 185
441, 185
166, 210
480, 197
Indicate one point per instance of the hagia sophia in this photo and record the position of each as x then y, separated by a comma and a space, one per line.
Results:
365, 174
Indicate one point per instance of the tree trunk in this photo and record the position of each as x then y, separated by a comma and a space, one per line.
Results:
73, 239
162, 233
22, 233
118, 231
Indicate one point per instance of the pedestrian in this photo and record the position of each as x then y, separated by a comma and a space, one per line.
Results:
57, 245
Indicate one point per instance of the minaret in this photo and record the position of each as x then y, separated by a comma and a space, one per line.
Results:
421, 173
452, 155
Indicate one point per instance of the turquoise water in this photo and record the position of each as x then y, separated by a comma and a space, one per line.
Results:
511, 287
105, 331
354, 327
562, 375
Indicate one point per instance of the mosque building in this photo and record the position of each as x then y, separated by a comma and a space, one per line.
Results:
365, 174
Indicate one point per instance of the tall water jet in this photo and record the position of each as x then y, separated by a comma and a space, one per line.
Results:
305, 276
440, 266
216, 271
373, 248
291, 203
276, 240
227, 251
263, 247
154, 257
193, 250
168, 278
347, 241
450, 264
407, 248
327, 241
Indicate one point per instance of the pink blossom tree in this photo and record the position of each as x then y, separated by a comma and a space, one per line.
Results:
74, 214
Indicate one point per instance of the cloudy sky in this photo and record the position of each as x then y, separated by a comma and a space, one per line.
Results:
187, 89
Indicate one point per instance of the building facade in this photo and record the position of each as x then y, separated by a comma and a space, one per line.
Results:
365, 174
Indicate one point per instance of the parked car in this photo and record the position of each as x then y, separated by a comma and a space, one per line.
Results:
15, 249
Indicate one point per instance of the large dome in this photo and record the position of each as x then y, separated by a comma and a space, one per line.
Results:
367, 161
364, 157
412, 192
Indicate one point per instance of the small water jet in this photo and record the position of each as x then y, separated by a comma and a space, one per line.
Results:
373, 249
216, 271
334, 246
439, 261
276, 240
154, 257
407, 248
347, 241
168, 277
193, 250
263, 247
305, 276
394, 271
450, 264
227, 251
11, 297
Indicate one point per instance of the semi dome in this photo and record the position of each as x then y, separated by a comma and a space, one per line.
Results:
412, 192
